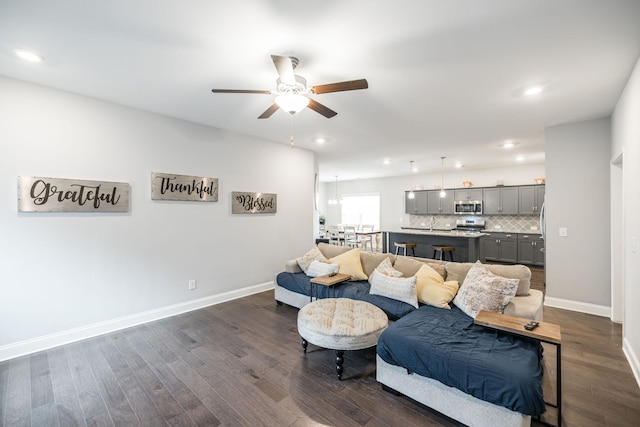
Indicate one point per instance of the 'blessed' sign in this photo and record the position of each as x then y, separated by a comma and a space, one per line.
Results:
166, 186
38, 194
253, 203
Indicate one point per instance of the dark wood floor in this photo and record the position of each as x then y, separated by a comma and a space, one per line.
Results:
241, 364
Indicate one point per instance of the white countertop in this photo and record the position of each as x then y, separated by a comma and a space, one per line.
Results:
462, 233
500, 230
444, 233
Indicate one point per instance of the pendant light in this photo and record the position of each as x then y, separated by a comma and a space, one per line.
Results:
443, 193
334, 201
411, 194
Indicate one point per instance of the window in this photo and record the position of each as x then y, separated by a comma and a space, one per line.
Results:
361, 209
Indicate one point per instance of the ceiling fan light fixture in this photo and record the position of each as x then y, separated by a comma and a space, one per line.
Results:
292, 103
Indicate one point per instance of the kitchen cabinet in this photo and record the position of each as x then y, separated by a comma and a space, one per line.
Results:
529, 246
499, 247
531, 198
417, 205
500, 201
439, 205
468, 194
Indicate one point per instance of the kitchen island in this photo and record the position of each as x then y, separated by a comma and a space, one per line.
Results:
467, 243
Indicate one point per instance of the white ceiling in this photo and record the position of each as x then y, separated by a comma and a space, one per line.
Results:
445, 77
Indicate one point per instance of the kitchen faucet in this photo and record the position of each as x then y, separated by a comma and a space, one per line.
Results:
432, 223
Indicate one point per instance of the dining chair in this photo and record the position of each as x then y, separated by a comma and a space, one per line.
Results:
334, 235
350, 236
364, 239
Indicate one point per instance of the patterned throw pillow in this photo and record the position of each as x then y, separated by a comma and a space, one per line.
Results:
398, 288
318, 268
387, 269
433, 290
483, 290
313, 255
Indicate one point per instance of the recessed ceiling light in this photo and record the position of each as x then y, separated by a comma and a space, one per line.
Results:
28, 55
532, 90
519, 158
458, 165
508, 144
386, 161
320, 140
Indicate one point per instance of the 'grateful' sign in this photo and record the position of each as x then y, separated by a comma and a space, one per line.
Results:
252, 203
38, 194
166, 186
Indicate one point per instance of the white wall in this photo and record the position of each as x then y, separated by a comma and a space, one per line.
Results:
68, 275
578, 266
392, 189
626, 140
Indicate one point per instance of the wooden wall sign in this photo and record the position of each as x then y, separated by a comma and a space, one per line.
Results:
165, 186
38, 194
253, 203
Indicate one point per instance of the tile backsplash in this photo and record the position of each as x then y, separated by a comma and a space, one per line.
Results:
507, 223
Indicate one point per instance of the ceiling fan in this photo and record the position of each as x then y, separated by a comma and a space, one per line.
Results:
291, 90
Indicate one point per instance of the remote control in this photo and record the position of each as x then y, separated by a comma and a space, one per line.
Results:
531, 325
332, 274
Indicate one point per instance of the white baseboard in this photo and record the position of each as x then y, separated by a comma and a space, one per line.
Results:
45, 342
632, 358
582, 307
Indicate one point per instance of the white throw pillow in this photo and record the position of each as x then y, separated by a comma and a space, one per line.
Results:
398, 288
317, 268
483, 290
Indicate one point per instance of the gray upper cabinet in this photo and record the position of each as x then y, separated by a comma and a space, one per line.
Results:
531, 199
524, 200
468, 194
417, 205
439, 205
500, 201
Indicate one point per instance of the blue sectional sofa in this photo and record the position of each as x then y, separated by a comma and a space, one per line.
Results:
472, 395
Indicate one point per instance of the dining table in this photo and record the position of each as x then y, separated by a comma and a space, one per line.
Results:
378, 234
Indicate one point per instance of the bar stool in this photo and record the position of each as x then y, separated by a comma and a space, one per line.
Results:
443, 250
405, 246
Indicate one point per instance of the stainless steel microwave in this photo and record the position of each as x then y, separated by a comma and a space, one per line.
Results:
467, 207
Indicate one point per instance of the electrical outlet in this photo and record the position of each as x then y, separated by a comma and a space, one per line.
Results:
562, 231
192, 284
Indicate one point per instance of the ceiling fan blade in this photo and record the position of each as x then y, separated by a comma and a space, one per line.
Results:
285, 69
341, 86
263, 92
319, 108
269, 111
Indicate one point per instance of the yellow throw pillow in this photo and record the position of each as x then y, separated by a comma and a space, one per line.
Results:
350, 264
433, 290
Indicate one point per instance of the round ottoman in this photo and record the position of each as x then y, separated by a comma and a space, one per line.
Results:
341, 324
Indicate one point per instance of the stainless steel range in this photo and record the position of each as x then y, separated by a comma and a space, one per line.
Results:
476, 225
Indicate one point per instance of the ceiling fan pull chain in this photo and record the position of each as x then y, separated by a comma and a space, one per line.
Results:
292, 143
